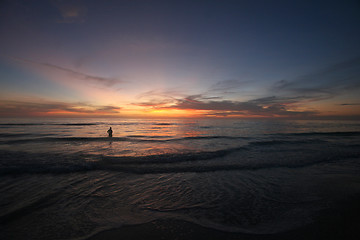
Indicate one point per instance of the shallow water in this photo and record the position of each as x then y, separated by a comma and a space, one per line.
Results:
65, 179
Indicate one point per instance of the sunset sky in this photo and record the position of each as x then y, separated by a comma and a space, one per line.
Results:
129, 58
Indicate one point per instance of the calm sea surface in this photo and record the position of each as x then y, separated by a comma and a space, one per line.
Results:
65, 179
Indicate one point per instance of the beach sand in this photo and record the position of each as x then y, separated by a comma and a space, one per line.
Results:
340, 223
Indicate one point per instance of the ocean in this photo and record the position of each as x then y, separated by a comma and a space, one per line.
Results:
66, 179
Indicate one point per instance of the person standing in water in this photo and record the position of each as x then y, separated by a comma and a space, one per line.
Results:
110, 132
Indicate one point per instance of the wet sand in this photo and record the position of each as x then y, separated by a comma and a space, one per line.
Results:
181, 230
342, 222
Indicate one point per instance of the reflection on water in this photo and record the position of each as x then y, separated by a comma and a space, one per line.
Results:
65, 179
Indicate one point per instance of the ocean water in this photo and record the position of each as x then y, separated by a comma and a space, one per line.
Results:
65, 179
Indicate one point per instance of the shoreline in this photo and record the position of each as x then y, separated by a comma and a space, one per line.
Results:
342, 222
183, 230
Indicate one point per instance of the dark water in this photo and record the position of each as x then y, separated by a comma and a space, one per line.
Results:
65, 179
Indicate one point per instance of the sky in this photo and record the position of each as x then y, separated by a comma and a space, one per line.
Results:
217, 59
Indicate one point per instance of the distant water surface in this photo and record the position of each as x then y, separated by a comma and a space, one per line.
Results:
65, 179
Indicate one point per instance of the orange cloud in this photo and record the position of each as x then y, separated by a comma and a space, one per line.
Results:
51, 108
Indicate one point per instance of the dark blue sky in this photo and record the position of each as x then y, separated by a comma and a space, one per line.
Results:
168, 54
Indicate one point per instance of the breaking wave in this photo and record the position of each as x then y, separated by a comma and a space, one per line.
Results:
231, 159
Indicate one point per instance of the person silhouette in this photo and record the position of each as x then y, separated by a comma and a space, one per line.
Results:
110, 132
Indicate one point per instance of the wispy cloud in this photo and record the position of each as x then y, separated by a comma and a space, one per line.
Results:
265, 107
227, 85
286, 98
104, 81
257, 107
153, 103
216, 91
165, 93
324, 84
159, 98
109, 82
21, 108
71, 10
349, 104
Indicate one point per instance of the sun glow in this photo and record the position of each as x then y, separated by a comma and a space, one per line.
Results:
171, 113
